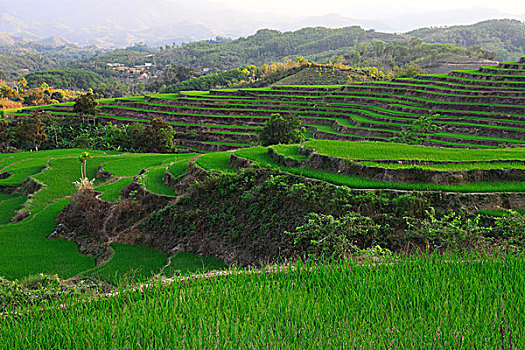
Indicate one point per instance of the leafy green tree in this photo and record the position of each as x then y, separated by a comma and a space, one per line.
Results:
4, 128
325, 235
156, 136
31, 131
86, 104
282, 129
117, 138
420, 131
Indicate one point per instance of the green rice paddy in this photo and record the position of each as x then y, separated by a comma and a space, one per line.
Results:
459, 302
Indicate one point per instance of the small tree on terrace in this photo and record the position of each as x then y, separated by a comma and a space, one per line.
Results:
281, 129
155, 136
31, 130
86, 104
420, 131
4, 126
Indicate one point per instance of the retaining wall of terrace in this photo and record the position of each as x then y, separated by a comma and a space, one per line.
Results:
437, 199
363, 131
475, 107
482, 142
479, 82
328, 136
453, 96
255, 93
511, 66
208, 147
502, 71
431, 111
237, 162
222, 120
361, 101
233, 138
447, 89
305, 88
457, 84
504, 78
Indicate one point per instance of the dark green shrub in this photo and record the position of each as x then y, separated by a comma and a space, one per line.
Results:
324, 235
281, 129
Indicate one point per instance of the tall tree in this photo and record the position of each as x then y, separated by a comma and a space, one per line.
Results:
31, 131
4, 126
86, 104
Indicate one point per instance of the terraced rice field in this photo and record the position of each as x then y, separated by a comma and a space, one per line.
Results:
479, 165
483, 108
381, 165
481, 115
40, 184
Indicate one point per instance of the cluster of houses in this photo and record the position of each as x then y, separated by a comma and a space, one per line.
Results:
142, 71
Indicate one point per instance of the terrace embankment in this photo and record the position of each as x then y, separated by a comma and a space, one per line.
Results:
244, 218
93, 224
409, 175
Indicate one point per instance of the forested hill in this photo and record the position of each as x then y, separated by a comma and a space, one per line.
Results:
353, 46
271, 45
505, 37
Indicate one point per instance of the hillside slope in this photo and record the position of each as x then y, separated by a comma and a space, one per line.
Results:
506, 37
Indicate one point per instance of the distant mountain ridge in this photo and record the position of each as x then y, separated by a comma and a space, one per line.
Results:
120, 23
500, 39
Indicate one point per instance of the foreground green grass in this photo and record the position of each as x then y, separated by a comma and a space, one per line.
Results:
438, 302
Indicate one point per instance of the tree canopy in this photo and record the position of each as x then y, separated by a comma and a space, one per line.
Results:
86, 104
281, 129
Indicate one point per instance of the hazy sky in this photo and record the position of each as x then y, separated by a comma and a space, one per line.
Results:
367, 7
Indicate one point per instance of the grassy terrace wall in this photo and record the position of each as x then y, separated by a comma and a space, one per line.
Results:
450, 178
